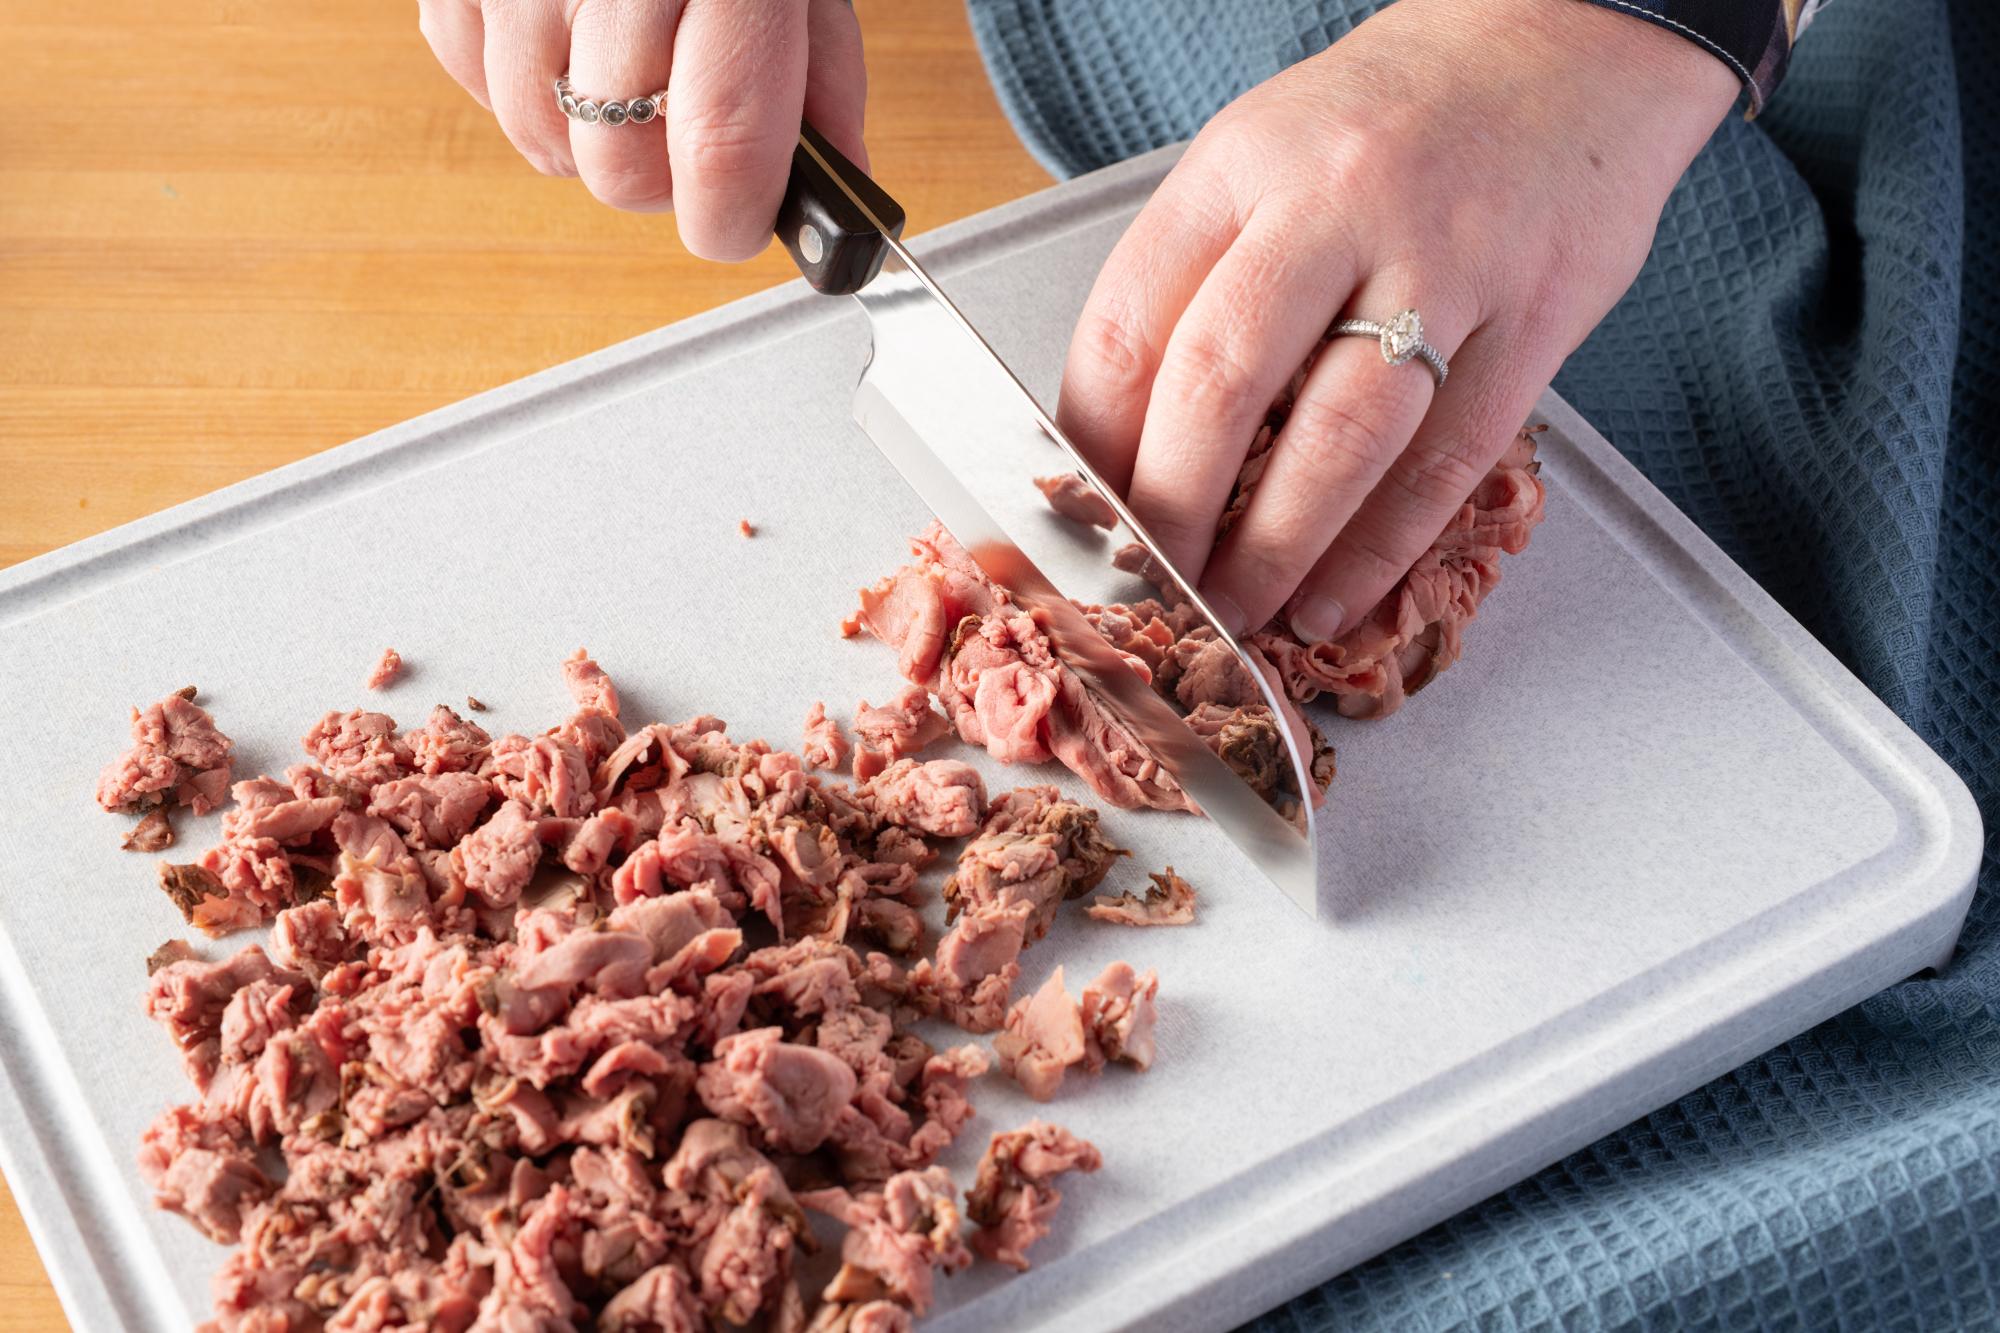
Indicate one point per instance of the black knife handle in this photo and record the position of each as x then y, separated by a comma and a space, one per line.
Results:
835, 221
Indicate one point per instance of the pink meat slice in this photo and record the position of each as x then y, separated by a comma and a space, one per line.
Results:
178, 757
448, 743
496, 860
359, 747
898, 1238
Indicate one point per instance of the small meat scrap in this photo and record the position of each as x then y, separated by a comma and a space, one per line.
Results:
824, 746
387, 669
474, 704
178, 757
173, 951
744, 526
1168, 902
1073, 497
154, 833
190, 886
588, 684
1044, 1037
894, 731
1119, 1017
1012, 1200
898, 1238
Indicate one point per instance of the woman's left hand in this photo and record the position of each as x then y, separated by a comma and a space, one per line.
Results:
1498, 165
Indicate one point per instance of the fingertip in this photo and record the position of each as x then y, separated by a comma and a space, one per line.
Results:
1316, 618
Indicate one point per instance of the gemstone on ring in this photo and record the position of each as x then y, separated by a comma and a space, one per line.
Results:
569, 105
611, 113
1401, 337
640, 110
586, 111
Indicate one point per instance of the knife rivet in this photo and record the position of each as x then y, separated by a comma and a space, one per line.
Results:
810, 244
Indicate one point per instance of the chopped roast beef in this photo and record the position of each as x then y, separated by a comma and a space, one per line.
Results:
588, 684
1050, 1032
1034, 851
464, 1088
1044, 1037
1073, 497
153, 833
178, 757
1168, 902
942, 797
898, 1236
884, 735
824, 746
1012, 1199
1119, 1017
388, 668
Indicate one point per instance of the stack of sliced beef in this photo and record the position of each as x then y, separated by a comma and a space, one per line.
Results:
992, 669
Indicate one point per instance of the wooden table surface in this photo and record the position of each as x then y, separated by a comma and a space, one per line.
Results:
236, 232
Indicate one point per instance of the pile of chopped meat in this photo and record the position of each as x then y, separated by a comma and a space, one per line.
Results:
569, 1030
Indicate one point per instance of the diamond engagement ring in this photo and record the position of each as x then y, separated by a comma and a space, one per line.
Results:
637, 110
1402, 338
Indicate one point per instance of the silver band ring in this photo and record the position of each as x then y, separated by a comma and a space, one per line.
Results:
1402, 339
636, 110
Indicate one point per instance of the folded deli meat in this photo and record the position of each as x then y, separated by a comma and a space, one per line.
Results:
993, 671
635, 1027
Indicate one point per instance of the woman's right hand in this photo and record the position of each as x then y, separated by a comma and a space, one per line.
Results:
742, 74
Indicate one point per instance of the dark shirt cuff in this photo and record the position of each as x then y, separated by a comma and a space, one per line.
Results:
1753, 37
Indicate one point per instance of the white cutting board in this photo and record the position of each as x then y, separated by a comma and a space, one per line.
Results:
1646, 829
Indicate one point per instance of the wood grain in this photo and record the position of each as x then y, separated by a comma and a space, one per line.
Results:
283, 226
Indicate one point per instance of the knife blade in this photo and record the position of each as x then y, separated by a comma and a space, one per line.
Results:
970, 439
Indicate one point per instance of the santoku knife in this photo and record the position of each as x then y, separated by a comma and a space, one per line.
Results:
970, 439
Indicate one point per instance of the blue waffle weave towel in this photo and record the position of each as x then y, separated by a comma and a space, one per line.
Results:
1809, 365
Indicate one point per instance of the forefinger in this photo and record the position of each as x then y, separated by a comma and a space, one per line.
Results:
736, 99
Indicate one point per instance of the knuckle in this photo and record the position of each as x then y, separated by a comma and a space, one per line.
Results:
1373, 555
1213, 383
636, 189
1441, 481
1110, 348
723, 149
1334, 440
